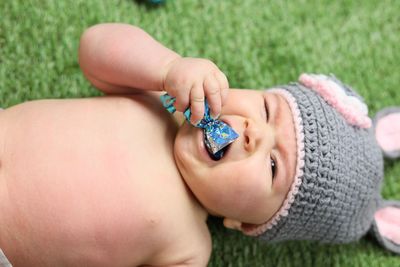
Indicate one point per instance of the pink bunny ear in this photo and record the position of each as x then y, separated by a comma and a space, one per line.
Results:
386, 225
387, 131
350, 107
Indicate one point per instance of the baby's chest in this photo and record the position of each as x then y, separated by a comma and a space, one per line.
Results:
104, 185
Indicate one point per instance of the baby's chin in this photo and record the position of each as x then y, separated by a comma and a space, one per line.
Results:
184, 147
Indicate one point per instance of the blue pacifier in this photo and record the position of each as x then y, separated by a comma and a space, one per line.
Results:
217, 134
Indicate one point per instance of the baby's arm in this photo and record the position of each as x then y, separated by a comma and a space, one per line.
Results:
120, 58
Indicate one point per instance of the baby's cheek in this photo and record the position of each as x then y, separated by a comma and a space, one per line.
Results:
249, 190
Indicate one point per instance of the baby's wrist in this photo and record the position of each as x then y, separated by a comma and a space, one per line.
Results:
165, 70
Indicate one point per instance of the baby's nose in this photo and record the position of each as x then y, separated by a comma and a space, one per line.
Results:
254, 134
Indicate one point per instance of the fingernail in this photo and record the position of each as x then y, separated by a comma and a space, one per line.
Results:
195, 123
214, 117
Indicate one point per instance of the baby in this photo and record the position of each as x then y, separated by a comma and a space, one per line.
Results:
118, 181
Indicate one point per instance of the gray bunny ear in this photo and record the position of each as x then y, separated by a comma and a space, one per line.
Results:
386, 225
340, 96
387, 131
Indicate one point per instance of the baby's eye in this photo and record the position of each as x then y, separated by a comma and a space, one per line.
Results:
266, 110
273, 168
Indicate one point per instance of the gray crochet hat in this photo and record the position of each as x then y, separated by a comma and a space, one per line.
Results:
335, 196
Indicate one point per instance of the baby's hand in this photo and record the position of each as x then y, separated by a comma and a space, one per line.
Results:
190, 80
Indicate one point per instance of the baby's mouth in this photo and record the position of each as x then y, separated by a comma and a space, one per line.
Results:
217, 134
219, 154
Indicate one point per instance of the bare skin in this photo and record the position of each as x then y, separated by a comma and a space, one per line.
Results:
76, 192
115, 180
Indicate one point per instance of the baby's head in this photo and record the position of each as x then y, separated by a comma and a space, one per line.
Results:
305, 166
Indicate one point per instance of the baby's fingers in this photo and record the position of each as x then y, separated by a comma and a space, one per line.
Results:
180, 92
182, 100
224, 85
213, 95
196, 104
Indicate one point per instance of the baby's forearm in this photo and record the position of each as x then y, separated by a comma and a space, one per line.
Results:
118, 58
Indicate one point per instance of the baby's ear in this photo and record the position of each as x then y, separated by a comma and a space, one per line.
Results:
386, 225
232, 224
387, 131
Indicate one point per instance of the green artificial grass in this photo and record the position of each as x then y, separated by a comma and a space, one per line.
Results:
258, 44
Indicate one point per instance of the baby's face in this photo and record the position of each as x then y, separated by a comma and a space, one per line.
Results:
251, 181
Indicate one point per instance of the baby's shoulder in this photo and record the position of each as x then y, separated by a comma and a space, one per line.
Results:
189, 245
183, 235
